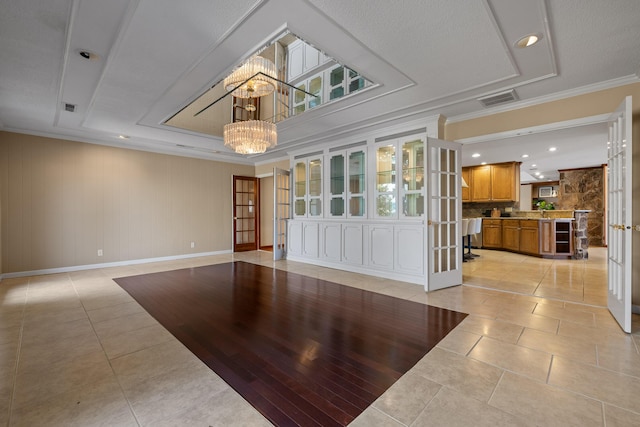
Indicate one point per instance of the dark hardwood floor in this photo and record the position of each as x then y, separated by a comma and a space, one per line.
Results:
301, 350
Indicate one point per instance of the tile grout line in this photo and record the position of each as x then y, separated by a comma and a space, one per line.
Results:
133, 413
17, 363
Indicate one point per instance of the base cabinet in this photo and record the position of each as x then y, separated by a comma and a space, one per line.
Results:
394, 250
492, 233
529, 236
547, 243
511, 234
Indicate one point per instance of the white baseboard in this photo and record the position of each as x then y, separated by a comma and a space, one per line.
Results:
108, 264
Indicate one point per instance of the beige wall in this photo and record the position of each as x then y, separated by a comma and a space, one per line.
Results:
267, 168
266, 211
592, 104
61, 201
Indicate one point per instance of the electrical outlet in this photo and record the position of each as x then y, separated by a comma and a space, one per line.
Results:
99, 252
193, 245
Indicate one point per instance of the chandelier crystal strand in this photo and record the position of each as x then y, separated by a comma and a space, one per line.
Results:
250, 137
253, 79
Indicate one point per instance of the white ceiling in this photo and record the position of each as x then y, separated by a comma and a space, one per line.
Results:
427, 57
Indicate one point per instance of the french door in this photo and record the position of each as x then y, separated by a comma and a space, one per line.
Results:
444, 198
619, 185
245, 213
281, 211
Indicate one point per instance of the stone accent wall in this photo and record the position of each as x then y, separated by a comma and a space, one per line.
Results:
584, 189
581, 238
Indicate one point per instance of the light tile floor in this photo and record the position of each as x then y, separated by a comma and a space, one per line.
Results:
539, 348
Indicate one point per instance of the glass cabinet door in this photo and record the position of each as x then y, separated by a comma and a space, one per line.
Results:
336, 185
315, 187
412, 189
315, 88
385, 190
356, 194
300, 188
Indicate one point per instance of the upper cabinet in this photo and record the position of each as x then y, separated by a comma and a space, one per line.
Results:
399, 179
346, 172
498, 182
307, 187
302, 58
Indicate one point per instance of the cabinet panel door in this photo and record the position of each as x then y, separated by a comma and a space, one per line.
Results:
502, 182
409, 242
547, 244
491, 236
381, 246
295, 237
511, 237
331, 241
310, 240
352, 248
529, 240
481, 184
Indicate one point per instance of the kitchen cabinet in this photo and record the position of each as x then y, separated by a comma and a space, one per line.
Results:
511, 234
498, 182
563, 234
466, 176
492, 233
529, 236
480, 185
547, 243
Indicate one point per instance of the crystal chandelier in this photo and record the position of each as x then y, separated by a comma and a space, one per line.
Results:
253, 79
250, 137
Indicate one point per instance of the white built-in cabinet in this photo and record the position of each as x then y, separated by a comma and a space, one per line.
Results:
346, 183
361, 206
307, 187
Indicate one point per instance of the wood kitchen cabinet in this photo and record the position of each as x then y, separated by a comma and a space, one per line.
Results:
498, 182
547, 242
511, 234
529, 236
480, 186
492, 233
466, 175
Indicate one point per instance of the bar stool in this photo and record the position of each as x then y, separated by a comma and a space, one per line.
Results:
477, 228
464, 232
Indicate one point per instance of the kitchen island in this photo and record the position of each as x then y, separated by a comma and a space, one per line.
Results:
546, 234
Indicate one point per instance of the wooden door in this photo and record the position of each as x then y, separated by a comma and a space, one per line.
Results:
529, 236
619, 208
444, 211
245, 213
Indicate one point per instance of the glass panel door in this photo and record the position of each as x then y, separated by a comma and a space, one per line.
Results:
412, 189
315, 187
336, 185
245, 218
300, 188
386, 181
281, 212
356, 194
445, 214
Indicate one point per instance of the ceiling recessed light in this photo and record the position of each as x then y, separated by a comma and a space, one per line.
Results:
483, 163
123, 137
474, 155
552, 148
541, 176
533, 166
524, 156
537, 174
528, 40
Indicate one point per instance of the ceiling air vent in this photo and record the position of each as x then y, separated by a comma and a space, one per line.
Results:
499, 98
69, 107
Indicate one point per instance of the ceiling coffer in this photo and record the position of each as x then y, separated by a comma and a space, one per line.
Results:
499, 98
